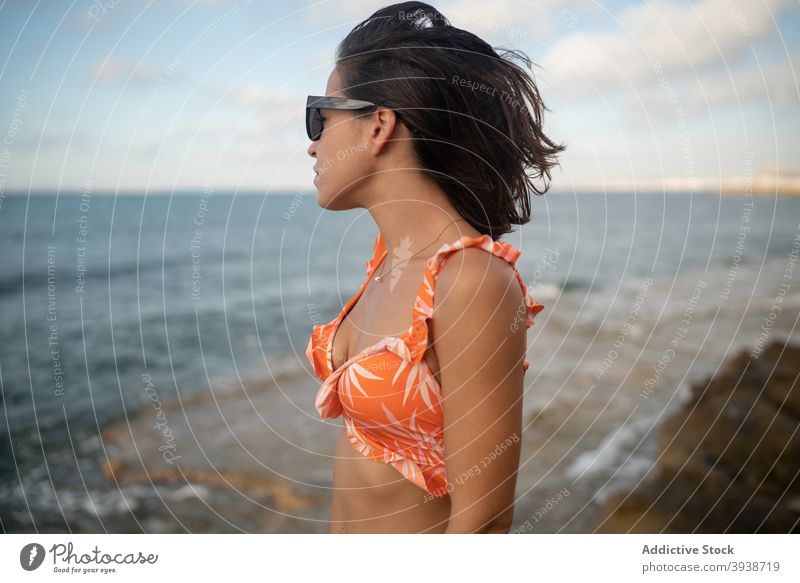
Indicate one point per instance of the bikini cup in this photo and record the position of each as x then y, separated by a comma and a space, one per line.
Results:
411, 345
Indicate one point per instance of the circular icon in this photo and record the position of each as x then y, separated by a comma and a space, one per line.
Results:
31, 556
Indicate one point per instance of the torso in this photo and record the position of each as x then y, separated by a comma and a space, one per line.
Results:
370, 496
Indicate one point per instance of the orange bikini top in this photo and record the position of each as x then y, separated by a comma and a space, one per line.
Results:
387, 395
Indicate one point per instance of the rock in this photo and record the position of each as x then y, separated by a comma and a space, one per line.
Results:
728, 459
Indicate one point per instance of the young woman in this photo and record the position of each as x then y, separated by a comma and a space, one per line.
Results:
432, 131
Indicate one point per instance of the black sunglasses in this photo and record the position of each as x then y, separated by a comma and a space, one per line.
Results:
315, 122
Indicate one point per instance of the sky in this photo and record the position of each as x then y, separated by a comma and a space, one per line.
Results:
135, 96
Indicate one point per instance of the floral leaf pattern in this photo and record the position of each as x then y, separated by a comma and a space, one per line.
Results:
352, 378
387, 395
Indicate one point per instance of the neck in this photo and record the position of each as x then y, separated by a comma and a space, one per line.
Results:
418, 223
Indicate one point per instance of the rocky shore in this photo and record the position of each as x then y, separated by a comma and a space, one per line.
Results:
728, 459
255, 458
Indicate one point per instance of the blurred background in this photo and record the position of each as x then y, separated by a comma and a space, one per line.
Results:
164, 259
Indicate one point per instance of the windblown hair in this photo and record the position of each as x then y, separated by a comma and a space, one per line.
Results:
475, 115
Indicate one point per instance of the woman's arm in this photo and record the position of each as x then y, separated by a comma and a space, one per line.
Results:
481, 355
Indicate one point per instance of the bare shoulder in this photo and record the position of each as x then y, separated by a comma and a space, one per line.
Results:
475, 279
476, 299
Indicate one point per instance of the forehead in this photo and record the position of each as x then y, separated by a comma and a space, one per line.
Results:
334, 86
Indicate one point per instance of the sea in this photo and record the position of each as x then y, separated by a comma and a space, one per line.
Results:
191, 292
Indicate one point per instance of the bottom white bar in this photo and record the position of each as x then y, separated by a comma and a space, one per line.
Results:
385, 558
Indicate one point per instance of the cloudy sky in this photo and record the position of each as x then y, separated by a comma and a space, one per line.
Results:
176, 94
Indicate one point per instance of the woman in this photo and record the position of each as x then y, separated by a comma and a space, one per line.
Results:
428, 128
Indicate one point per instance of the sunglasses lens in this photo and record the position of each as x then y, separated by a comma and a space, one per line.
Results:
313, 123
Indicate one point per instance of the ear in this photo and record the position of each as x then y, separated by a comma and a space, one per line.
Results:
382, 128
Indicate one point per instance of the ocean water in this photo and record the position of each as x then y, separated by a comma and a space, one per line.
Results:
103, 298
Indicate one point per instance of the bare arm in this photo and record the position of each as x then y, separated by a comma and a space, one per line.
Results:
481, 358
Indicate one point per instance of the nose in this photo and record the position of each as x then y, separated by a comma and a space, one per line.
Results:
312, 149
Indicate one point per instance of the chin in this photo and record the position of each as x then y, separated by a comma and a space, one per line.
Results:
333, 200
326, 200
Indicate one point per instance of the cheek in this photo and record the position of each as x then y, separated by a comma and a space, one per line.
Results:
342, 157
327, 152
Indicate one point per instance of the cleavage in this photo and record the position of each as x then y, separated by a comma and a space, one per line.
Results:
397, 301
351, 329
429, 356
346, 328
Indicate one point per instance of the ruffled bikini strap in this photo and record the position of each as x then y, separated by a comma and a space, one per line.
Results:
423, 306
378, 251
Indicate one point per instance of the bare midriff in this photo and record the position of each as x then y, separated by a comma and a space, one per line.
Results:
373, 497
370, 496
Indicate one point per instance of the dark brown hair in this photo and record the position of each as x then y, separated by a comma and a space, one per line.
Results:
475, 115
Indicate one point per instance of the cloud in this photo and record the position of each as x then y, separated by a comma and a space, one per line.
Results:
53, 140
261, 112
249, 96
355, 10
772, 83
515, 20
680, 37
110, 68
499, 20
766, 84
116, 68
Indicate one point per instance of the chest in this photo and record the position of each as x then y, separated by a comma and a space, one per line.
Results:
382, 310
